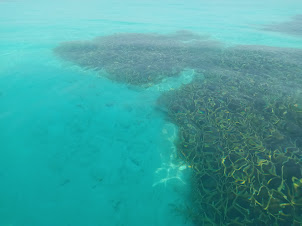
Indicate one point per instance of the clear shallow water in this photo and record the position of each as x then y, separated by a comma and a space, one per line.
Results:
78, 149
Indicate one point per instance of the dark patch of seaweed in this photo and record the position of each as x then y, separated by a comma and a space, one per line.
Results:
291, 27
137, 59
240, 123
240, 128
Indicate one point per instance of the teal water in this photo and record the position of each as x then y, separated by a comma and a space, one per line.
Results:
79, 149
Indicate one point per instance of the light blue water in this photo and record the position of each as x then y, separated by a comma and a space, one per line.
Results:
78, 149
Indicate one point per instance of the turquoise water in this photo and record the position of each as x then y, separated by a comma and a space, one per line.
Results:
79, 149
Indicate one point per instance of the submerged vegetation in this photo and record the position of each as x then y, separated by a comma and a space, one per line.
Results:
241, 132
292, 27
240, 119
134, 58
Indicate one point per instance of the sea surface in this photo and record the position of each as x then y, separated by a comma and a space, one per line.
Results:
78, 149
